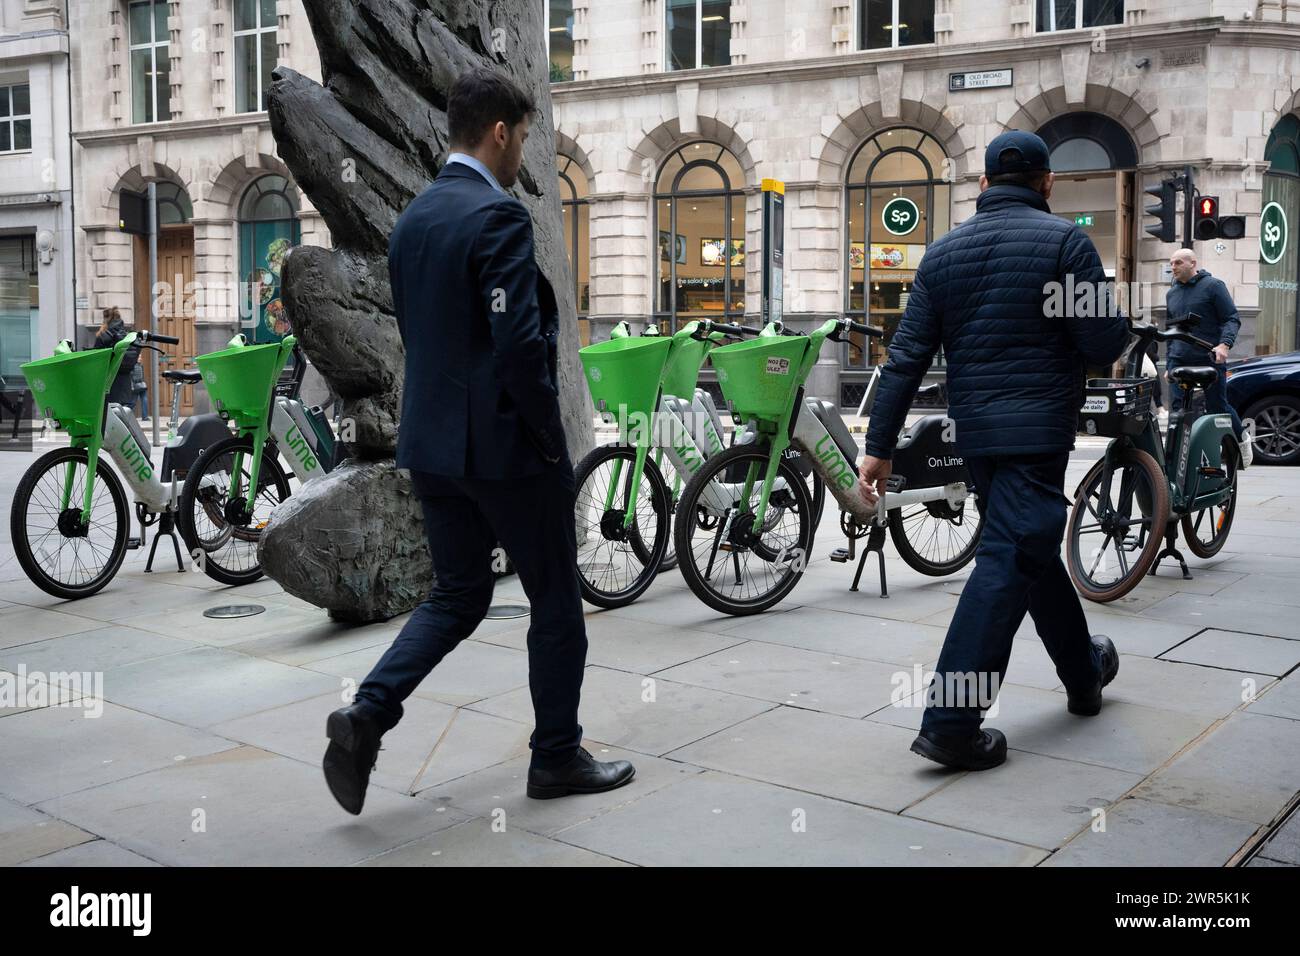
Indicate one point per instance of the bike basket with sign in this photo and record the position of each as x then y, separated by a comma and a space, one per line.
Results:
778, 365
1114, 407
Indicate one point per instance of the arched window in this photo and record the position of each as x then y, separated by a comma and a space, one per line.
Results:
1086, 142
1283, 149
898, 203
700, 227
575, 208
268, 229
174, 206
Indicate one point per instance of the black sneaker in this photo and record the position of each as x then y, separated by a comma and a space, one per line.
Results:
983, 750
583, 774
1089, 704
354, 746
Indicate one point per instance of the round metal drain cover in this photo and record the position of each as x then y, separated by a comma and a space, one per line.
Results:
504, 612
234, 610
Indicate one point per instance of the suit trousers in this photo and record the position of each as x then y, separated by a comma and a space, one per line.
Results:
1018, 569
531, 517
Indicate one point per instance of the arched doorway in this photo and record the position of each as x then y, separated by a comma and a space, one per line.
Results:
575, 211
1278, 326
897, 203
1095, 160
174, 296
268, 228
700, 231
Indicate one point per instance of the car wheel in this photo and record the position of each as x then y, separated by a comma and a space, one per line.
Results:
1277, 430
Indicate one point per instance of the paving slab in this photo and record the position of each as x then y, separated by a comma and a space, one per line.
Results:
60, 751
246, 807
98, 650
1284, 844
477, 843
27, 834
1247, 768
209, 685
627, 644
1229, 612
1123, 736
1191, 688
473, 671
20, 624
644, 714
848, 634
95, 853
500, 789
1029, 799
1231, 650
276, 619
719, 820
316, 642
432, 742
832, 683
121, 600
1281, 699
1144, 833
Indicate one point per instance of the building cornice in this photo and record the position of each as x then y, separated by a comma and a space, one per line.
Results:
29, 46
1009, 52
184, 129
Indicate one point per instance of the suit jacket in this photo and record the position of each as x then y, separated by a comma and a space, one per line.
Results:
479, 322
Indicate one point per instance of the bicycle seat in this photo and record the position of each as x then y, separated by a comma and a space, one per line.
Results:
1194, 375
186, 376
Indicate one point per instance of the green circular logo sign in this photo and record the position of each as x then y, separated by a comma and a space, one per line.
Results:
1272, 233
900, 216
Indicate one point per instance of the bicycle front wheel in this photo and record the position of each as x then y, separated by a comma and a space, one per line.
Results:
222, 527
730, 566
61, 554
617, 559
1117, 525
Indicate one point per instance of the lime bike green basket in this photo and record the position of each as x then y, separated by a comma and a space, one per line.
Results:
623, 374
684, 367
71, 387
760, 376
240, 379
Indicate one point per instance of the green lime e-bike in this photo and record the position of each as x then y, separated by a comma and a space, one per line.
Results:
69, 520
1145, 487
742, 551
628, 490
238, 481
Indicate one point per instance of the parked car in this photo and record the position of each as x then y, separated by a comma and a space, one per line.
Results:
1267, 389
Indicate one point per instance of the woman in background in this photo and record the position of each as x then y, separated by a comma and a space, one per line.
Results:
111, 331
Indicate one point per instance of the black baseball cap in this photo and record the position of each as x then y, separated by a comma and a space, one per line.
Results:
1016, 151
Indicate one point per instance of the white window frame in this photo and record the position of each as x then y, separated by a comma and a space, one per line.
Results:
7, 91
152, 46
860, 29
546, 34
699, 39
1078, 19
256, 32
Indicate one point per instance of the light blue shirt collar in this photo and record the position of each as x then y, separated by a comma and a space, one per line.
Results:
478, 167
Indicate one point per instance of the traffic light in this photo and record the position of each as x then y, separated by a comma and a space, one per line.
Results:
1165, 210
1206, 225
1232, 227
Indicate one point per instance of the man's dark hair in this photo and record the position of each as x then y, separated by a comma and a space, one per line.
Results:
1030, 179
480, 99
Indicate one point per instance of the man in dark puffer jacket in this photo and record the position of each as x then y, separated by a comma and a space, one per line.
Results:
1016, 366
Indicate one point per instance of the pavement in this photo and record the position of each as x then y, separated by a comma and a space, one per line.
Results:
764, 740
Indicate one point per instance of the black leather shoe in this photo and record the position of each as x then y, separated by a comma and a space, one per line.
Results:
583, 774
354, 746
1089, 705
984, 750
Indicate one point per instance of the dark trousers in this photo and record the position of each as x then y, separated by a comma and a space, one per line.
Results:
1018, 568
465, 518
1216, 396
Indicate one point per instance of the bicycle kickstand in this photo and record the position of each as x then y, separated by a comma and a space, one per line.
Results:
1171, 536
876, 543
166, 526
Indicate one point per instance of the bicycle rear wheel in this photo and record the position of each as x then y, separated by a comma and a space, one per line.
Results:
59, 553
934, 538
728, 565
1114, 534
618, 561
224, 530
1207, 529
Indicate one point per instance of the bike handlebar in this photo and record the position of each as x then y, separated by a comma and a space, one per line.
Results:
147, 336
1147, 332
739, 331
848, 325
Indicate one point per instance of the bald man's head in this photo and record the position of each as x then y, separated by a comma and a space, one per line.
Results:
1183, 263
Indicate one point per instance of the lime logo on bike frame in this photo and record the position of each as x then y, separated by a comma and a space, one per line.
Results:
299, 446
135, 459
837, 468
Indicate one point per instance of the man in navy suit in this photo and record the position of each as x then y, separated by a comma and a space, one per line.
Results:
482, 436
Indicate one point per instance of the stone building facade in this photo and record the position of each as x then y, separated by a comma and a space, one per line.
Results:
859, 106
172, 92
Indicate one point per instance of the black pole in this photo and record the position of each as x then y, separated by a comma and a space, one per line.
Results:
1189, 206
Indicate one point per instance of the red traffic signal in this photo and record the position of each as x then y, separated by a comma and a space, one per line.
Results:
1207, 218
